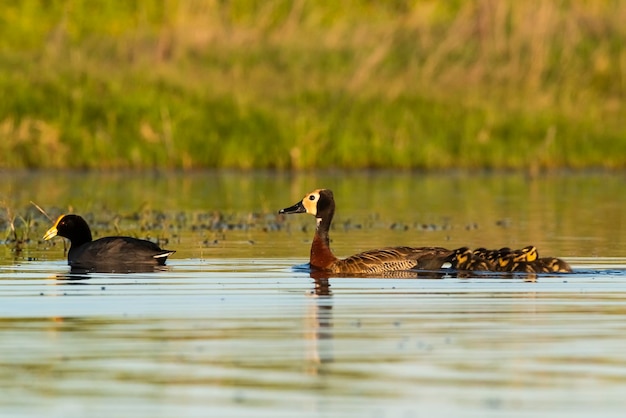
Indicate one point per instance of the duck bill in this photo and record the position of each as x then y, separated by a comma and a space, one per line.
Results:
297, 208
52, 232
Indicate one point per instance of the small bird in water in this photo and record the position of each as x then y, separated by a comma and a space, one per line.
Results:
109, 254
507, 260
516, 260
321, 204
466, 259
527, 260
550, 265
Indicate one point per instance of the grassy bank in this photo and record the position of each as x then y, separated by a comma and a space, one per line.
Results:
295, 84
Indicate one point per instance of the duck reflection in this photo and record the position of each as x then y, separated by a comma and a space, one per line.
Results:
319, 326
319, 317
398, 274
322, 286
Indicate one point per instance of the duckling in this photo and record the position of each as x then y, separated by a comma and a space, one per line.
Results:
108, 254
321, 204
483, 253
465, 259
516, 260
520, 267
551, 265
489, 258
478, 264
527, 254
541, 265
460, 258
490, 255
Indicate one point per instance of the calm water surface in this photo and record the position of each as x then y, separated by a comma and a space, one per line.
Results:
236, 327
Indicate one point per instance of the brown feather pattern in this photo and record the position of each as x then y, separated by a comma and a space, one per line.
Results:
392, 259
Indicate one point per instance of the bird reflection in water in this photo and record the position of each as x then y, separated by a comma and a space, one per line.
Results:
81, 274
319, 318
319, 326
118, 267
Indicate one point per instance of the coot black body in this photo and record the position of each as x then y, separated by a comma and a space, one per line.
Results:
109, 254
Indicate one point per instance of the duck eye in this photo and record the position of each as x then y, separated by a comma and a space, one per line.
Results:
311, 197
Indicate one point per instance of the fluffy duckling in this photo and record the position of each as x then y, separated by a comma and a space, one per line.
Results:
515, 260
527, 260
550, 265
465, 259
490, 255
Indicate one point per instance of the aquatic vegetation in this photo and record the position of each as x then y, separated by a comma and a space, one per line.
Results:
18, 227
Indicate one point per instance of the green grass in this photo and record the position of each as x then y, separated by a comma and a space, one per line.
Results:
297, 85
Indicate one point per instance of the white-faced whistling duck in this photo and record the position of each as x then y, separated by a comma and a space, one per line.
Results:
321, 204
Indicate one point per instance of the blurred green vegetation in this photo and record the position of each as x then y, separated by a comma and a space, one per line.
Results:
292, 84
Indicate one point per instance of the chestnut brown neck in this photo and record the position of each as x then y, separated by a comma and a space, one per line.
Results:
321, 255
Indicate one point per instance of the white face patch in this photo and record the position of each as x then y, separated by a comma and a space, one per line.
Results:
310, 202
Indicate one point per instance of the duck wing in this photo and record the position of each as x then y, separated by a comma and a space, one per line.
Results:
551, 265
393, 259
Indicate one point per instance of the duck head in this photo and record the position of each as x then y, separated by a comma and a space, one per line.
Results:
319, 203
